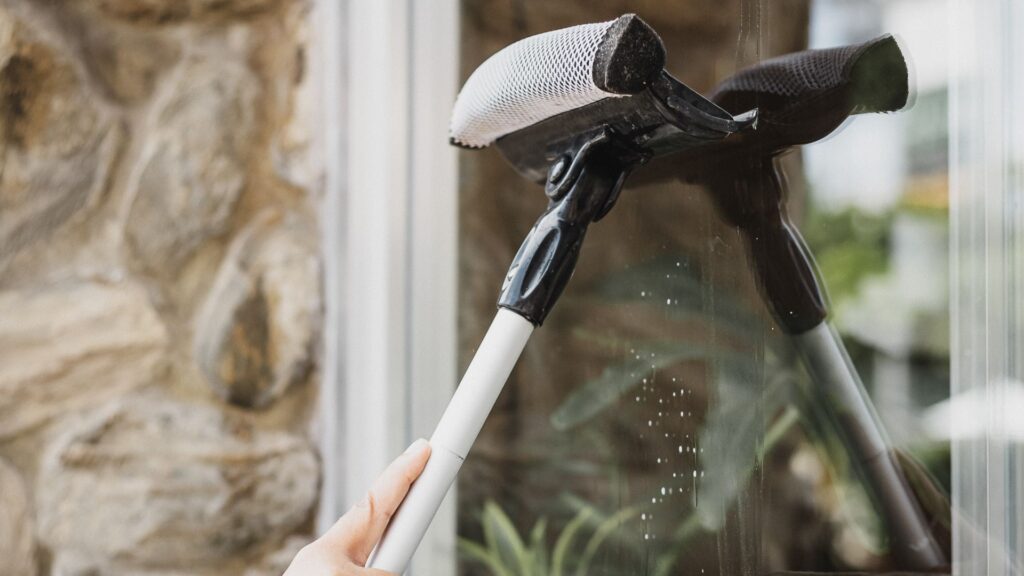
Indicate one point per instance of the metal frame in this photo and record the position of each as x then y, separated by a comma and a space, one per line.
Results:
390, 74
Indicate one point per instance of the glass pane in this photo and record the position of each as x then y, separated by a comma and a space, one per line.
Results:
662, 421
988, 287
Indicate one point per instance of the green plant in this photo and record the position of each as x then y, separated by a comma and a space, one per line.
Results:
505, 552
850, 246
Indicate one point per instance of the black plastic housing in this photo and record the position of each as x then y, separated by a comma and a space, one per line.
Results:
664, 118
581, 191
751, 196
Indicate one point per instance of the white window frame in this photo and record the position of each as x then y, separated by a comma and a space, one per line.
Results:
987, 283
390, 76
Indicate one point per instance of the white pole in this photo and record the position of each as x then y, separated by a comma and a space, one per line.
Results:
453, 438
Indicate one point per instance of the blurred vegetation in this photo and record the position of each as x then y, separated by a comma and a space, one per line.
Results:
505, 552
849, 246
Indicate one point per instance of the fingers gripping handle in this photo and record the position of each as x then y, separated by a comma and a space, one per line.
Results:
410, 522
454, 436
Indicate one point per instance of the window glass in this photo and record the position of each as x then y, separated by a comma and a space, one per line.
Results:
661, 421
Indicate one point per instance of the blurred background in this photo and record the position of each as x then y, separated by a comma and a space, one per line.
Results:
240, 270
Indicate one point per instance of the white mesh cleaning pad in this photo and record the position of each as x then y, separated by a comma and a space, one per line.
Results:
529, 81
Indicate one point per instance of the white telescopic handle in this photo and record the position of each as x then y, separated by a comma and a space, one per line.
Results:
452, 439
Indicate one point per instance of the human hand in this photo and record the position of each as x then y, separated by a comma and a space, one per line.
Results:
344, 549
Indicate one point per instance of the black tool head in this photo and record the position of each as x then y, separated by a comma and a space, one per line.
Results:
541, 95
803, 97
800, 98
869, 77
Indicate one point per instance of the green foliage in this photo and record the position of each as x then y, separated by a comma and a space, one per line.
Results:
850, 246
505, 552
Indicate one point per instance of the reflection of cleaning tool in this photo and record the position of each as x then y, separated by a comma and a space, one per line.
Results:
576, 109
802, 98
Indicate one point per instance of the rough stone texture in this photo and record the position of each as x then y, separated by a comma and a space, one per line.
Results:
298, 154
57, 144
195, 170
172, 11
156, 157
150, 482
276, 562
67, 347
17, 535
124, 60
255, 334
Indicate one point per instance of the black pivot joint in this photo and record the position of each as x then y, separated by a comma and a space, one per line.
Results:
750, 195
582, 186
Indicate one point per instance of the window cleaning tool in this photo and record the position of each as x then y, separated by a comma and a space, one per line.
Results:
802, 98
577, 110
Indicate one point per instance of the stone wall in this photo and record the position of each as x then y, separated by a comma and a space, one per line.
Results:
160, 295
